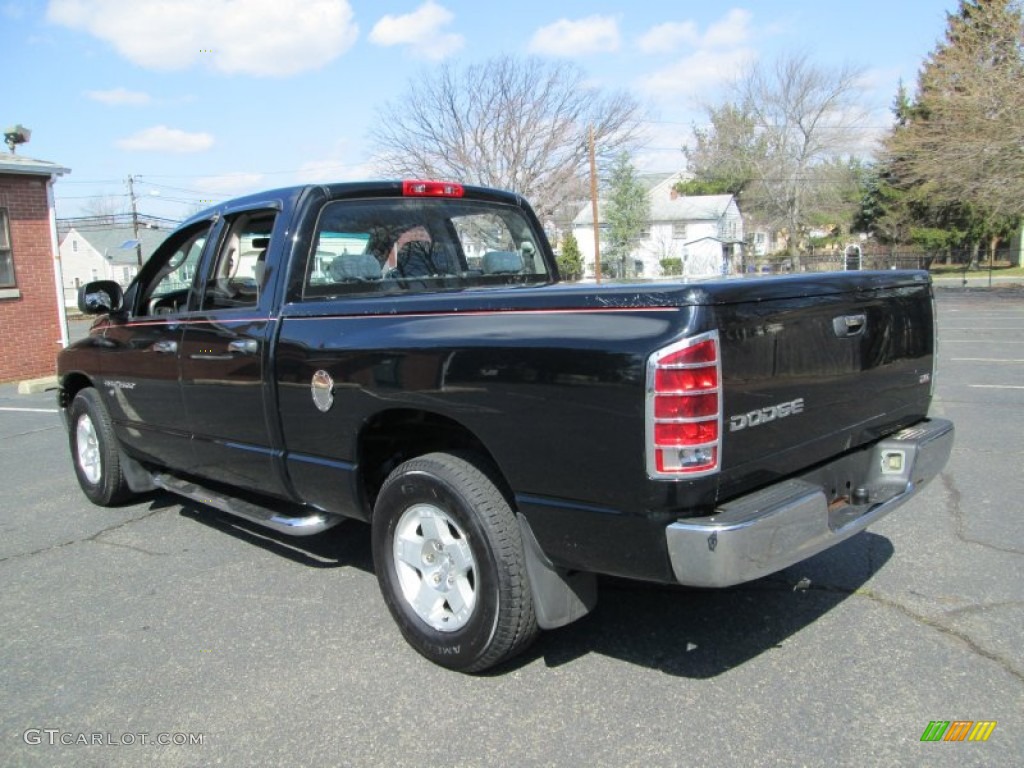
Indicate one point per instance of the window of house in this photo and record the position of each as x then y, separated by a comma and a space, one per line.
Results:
678, 231
74, 246
6, 257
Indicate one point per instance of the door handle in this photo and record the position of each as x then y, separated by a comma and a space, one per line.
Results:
236, 347
846, 326
165, 347
244, 346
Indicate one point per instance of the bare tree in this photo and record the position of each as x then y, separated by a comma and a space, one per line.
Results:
106, 207
782, 139
517, 124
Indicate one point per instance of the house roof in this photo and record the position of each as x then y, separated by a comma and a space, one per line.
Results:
12, 163
107, 240
687, 208
665, 208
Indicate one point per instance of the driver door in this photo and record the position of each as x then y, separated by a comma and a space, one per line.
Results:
141, 374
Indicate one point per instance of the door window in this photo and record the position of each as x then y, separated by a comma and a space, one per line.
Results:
238, 274
168, 278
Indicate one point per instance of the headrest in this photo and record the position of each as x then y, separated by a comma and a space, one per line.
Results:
502, 263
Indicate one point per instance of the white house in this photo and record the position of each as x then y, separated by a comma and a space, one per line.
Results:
704, 232
104, 252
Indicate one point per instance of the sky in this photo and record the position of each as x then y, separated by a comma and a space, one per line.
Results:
201, 100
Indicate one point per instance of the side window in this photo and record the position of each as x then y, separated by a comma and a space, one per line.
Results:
237, 275
168, 288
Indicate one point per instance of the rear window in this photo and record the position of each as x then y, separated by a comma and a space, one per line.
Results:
403, 245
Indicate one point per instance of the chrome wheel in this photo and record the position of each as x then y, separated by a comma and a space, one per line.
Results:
435, 567
87, 443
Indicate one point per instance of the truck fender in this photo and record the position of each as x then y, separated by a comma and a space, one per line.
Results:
560, 596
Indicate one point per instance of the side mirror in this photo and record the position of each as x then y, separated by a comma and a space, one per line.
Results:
100, 297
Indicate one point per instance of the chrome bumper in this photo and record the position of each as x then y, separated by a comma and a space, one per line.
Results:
783, 524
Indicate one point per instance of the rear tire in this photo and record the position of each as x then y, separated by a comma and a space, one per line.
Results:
450, 564
94, 451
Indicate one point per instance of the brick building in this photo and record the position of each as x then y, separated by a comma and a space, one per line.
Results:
33, 326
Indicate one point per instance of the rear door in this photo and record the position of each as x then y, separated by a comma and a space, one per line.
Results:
223, 356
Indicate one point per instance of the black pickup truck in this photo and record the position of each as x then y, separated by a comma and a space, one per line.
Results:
404, 354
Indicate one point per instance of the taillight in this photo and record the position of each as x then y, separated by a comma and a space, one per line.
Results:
684, 408
431, 189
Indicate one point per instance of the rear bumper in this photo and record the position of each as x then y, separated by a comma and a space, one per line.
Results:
783, 524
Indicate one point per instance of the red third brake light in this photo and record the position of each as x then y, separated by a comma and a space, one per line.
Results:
413, 188
684, 409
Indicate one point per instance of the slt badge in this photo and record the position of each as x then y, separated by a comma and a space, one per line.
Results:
322, 388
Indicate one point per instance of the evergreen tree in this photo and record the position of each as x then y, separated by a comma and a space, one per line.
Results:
627, 212
957, 150
570, 261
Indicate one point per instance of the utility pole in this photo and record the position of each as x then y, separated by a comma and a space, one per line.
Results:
593, 208
135, 220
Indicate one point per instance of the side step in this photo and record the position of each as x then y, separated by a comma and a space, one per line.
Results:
254, 513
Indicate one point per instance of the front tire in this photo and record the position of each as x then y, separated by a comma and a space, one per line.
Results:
94, 451
450, 563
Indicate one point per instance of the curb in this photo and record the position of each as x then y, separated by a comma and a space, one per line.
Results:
34, 386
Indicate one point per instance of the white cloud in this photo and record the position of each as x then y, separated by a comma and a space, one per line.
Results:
160, 138
421, 30
713, 58
254, 37
326, 171
231, 184
697, 73
731, 31
667, 37
119, 97
594, 34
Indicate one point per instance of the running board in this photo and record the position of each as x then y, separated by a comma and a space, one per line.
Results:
254, 513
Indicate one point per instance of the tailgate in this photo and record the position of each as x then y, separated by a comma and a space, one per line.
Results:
833, 366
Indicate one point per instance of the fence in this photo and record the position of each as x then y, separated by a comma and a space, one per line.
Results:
834, 261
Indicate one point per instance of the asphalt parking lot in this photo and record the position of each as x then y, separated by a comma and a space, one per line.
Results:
164, 621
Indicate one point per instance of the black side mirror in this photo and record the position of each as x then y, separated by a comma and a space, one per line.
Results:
100, 297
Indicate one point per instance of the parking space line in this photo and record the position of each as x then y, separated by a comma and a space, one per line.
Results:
995, 386
985, 360
30, 410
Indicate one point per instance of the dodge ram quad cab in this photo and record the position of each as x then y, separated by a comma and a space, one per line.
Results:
404, 354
